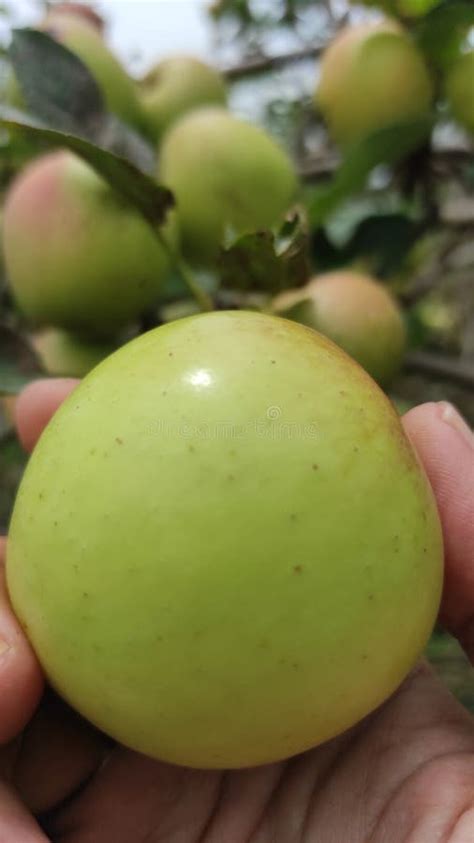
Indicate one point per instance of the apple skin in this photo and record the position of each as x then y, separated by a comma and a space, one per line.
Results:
357, 313
118, 89
77, 256
63, 354
224, 550
460, 90
225, 173
177, 85
372, 75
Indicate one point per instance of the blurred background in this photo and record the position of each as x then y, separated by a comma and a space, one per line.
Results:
389, 198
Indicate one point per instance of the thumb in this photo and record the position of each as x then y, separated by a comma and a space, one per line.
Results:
445, 445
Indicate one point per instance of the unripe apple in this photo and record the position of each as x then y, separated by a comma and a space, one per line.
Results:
224, 550
80, 11
357, 313
76, 255
227, 175
460, 90
177, 85
118, 89
372, 75
63, 354
404, 8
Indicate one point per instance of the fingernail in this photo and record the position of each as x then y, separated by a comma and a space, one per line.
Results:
451, 416
4, 648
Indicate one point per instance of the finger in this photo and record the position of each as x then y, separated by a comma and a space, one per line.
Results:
445, 445
37, 404
16, 824
58, 752
21, 681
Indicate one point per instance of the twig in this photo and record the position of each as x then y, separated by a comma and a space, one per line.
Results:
260, 64
316, 168
440, 366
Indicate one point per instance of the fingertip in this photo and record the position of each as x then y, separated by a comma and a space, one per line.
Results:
37, 404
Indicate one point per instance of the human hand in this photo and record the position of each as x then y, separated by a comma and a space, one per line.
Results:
403, 775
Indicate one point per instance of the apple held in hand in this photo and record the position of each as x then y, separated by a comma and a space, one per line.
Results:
227, 175
224, 549
76, 255
357, 313
372, 75
177, 85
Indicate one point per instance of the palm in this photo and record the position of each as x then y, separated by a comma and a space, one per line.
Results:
403, 776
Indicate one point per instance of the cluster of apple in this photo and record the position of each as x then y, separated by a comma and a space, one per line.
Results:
83, 266
80, 261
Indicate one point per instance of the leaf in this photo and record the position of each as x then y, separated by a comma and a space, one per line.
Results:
385, 146
18, 363
56, 85
386, 239
441, 33
266, 261
140, 190
59, 89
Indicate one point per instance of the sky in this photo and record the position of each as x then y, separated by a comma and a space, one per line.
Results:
141, 31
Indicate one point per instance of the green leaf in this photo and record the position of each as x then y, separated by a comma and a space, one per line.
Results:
441, 33
60, 90
384, 239
18, 363
56, 85
135, 187
385, 146
268, 261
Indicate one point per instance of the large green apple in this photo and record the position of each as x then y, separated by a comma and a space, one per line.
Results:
76, 255
177, 85
63, 354
372, 75
224, 549
227, 175
83, 39
460, 90
357, 313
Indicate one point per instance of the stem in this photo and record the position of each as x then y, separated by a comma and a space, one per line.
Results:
203, 299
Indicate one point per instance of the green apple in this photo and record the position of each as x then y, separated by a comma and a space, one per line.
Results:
224, 550
83, 39
177, 85
63, 354
357, 313
80, 11
76, 255
227, 175
460, 90
372, 75
404, 8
